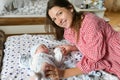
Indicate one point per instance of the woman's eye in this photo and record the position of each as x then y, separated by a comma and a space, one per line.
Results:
60, 13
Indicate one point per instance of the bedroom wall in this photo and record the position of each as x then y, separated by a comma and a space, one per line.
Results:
112, 5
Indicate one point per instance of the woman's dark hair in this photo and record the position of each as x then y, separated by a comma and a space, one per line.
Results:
66, 4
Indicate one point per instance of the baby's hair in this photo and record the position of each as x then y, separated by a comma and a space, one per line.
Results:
38, 75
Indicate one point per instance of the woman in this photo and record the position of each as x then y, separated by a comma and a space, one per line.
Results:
91, 35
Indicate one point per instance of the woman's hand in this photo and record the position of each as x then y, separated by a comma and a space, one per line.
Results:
53, 72
66, 49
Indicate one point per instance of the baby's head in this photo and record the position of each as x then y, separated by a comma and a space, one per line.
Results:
39, 58
40, 48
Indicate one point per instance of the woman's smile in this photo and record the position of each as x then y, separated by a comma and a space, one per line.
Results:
61, 16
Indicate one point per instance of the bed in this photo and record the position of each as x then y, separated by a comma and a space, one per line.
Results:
18, 45
30, 13
22, 32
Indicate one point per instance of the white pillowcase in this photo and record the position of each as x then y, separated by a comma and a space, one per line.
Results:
4, 4
12, 4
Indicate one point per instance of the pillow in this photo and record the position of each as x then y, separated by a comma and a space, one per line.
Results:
10, 5
4, 4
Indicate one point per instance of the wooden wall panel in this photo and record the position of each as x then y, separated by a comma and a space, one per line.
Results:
112, 5
22, 21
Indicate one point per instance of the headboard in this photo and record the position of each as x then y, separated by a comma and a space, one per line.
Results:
29, 18
23, 25
5, 21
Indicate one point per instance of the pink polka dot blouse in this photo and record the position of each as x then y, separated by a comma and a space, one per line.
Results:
99, 44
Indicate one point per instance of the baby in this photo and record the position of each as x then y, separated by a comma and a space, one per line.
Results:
40, 56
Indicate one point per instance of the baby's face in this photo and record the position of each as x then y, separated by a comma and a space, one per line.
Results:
42, 48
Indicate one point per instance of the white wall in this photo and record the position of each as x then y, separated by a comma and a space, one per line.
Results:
23, 29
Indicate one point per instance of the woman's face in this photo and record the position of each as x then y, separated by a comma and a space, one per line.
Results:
61, 16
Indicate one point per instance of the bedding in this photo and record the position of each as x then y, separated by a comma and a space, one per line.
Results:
23, 7
4, 4
9, 5
15, 46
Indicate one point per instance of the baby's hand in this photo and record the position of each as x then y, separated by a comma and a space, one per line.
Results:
65, 49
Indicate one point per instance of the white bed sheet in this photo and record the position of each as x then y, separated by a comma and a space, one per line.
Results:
17, 45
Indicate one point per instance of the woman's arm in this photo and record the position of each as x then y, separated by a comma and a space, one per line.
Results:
71, 72
74, 48
56, 74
